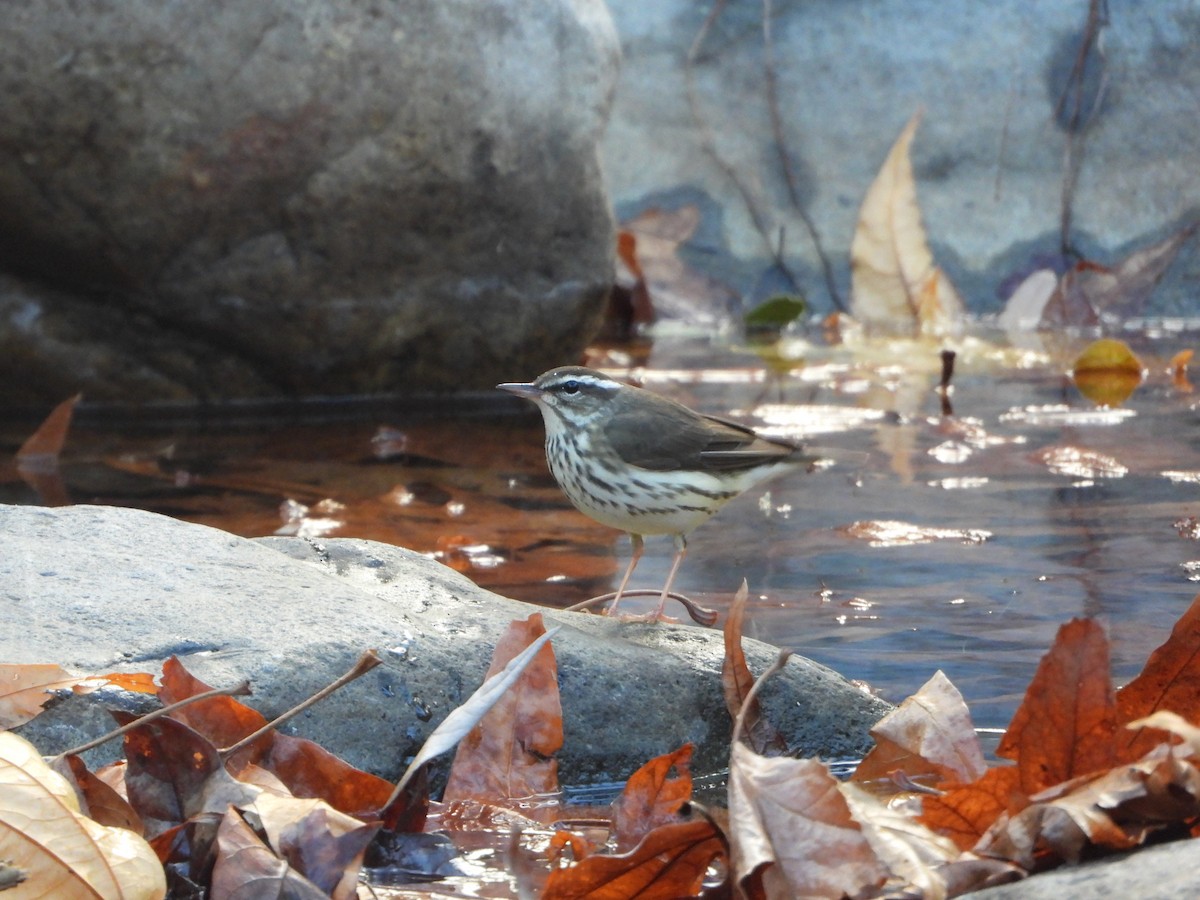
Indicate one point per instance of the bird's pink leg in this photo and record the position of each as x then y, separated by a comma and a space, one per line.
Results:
680, 553
638, 547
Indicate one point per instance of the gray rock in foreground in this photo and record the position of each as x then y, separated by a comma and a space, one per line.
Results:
97, 589
1166, 872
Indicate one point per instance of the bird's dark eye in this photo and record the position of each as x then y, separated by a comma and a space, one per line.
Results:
570, 387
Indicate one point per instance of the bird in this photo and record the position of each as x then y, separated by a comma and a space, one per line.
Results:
644, 464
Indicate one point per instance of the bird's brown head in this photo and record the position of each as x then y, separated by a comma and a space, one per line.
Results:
571, 394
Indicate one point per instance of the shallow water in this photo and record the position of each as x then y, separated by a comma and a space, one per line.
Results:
956, 542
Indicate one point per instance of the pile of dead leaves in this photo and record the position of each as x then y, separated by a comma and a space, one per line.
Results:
211, 800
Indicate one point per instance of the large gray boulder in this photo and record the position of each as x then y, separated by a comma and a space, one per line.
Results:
211, 200
97, 589
988, 157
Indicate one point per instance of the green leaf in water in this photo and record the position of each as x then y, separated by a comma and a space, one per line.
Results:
776, 312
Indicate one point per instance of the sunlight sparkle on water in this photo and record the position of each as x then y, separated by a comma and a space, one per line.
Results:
799, 421
1076, 462
891, 533
1182, 477
1063, 415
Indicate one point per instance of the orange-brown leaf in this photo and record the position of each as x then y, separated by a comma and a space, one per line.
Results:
310, 770
651, 798
668, 864
966, 811
510, 754
46, 443
929, 733
1065, 726
1169, 681
222, 720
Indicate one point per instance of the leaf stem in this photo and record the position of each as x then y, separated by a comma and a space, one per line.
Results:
365, 663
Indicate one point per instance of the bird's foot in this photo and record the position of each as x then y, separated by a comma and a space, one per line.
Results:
700, 614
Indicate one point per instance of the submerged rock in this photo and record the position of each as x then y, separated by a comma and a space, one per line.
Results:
98, 589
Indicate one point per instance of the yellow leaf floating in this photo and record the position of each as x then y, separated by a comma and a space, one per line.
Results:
894, 278
1107, 372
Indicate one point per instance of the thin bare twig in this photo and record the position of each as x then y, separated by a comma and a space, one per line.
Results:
1078, 120
365, 663
238, 690
785, 159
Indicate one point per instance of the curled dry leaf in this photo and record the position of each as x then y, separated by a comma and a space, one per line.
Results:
1114, 810
1088, 291
44, 445
737, 680
912, 852
25, 689
791, 830
930, 733
894, 278
61, 852
324, 845
246, 867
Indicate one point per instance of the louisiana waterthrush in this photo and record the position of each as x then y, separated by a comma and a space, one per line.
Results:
644, 464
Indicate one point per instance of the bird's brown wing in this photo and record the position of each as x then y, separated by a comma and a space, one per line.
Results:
661, 435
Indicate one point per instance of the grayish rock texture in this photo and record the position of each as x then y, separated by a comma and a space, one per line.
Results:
1167, 872
97, 589
211, 200
988, 156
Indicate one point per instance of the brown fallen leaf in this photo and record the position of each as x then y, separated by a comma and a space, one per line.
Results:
175, 774
98, 800
737, 680
651, 798
223, 721
668, 864
1170, 680
510, 753
894, 279
308, 770
1112, 810
1065, 726
930, 733
60, 851
246, 867
324, 845
791, 831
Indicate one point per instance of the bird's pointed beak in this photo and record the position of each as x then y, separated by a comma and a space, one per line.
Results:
528, 391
